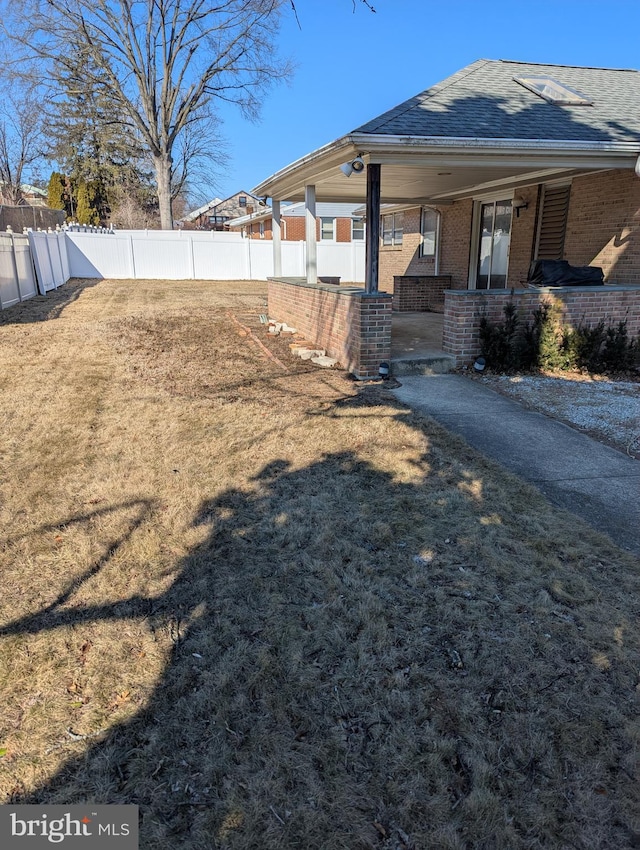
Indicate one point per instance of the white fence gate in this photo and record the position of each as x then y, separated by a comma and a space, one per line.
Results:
40, 262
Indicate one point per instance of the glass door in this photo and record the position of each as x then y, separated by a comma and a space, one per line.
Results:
493, 248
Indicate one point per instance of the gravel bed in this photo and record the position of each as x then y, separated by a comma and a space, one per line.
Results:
607, 409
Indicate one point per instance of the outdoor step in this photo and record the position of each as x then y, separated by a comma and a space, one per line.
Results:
325, 361
308, 353
433, 364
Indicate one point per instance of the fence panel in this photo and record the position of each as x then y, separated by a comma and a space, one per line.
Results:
341, 259
24, 266
100, 255
220, 258
46, 258
9, 282
162, 256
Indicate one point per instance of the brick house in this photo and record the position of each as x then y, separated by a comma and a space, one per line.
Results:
334, 223
468, 182
217, 213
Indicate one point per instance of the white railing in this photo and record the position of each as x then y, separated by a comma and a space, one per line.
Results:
41, 261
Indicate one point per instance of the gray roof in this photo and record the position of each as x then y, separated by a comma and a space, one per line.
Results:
483, 101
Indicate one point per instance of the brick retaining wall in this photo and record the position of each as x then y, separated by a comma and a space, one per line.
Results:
587, 304
420, 293
352, 325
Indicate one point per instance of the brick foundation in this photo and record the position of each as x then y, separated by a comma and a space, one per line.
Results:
352, 325
420, 293
587, 304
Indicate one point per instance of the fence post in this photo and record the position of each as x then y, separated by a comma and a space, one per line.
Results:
192, 260
132, 261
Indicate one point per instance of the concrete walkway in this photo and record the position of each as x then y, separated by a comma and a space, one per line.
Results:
575, 472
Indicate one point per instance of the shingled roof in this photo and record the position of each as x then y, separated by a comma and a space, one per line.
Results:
483, 101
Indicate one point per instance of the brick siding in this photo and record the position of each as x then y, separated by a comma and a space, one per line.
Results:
293, 229
455, 236
603, 227
420, 293
578, 304
353, 326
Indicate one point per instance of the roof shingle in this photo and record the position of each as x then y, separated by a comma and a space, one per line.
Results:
484, 101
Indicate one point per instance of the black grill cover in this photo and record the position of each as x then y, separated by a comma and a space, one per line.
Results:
560, 273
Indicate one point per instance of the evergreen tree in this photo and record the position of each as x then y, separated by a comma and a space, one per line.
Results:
86, 213
55, 192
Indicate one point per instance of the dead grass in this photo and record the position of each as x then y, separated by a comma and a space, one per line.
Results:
276, 610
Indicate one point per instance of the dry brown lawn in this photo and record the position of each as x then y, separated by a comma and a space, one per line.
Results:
275, 609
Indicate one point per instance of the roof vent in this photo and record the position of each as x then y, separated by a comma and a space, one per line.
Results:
553, 92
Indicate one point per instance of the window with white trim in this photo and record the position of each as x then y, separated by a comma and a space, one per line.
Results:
357, 229
392, 228
327, 229
429, 227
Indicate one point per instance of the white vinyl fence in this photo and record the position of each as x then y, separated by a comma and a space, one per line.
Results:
195, 255
41, 261
17, 275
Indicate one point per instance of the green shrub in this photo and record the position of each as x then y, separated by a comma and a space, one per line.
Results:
543, 343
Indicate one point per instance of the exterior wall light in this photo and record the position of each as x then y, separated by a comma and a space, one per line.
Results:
518, 204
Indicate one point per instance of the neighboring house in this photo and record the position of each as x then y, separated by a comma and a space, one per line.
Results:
334, 223
217, 213
500, 164
31, 195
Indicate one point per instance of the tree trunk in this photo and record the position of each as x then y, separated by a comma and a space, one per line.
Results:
162, 165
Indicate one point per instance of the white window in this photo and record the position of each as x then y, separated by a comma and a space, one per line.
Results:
392, 224
262, 230
327, 229
429, 225
357, 229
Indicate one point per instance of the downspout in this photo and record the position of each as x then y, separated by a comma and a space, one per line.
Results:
637, 168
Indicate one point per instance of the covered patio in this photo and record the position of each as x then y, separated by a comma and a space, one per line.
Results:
489, 156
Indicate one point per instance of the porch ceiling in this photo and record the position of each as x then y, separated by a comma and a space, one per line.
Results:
413, 170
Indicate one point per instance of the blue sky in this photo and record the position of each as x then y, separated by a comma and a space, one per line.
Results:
353, 66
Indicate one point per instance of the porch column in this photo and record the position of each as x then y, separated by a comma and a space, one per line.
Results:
373, 228
275, 235
310, 231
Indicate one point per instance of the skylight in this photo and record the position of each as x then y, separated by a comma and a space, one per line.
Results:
553, 91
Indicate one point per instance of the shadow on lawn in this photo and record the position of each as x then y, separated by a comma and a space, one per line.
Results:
317, 694
43, 308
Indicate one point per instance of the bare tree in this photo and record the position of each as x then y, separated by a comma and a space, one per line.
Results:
164, 63
20, 141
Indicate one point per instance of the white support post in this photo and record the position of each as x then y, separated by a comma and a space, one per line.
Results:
310, 231
276, 237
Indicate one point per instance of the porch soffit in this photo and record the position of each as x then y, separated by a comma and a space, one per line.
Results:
419, 174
